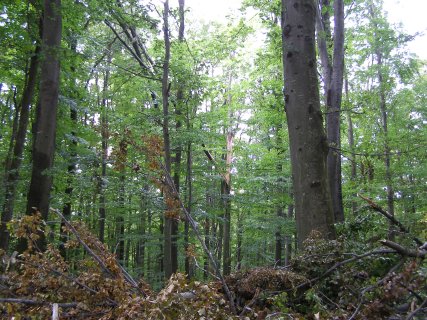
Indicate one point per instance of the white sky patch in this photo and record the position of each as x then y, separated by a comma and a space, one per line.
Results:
411, 13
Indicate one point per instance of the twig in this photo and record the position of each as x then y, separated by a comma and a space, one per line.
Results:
413, 313
367, 289
37, 303
61, 274
390, 217
85, 246
251, 303
126, 275
311, 282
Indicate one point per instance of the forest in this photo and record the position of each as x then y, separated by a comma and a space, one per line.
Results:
156, 165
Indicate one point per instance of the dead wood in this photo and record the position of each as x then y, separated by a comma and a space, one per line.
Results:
392, 219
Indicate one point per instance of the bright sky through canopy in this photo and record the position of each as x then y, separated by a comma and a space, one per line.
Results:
411, 13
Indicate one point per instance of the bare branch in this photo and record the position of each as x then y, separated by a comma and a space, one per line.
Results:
404, 251
390, 217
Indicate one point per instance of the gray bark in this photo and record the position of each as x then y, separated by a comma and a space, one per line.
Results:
44, 143
308, 144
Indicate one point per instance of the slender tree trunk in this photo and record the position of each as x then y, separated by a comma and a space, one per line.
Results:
120, 221
208, 245
333, 70
279, 245
169, 262
188, 269
308, 144
12, 167
178, 153
104, 151
384, 118
288, 238
226, 191
44, 144
140, 246
240, 225
72, 161
350, 136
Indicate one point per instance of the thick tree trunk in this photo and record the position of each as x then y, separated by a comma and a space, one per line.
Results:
44, 143
308, 144
12, 167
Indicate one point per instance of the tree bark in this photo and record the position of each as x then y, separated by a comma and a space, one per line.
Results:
44, 143
308, 144
104, 151
12, 167
72, 159
169, 263
226, 189
350, 137
333, 71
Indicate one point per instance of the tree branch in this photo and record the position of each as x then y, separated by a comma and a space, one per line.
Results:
404, 251
390, 217
126, 275
311, 282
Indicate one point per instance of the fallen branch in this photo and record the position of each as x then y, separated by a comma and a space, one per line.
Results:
371, 287
404, 251
390, 217
69, 278
30, 302
248, 307
413, 313
125, 274
311, 282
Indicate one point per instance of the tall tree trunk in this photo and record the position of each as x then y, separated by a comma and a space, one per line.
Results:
240, 224
44, 144
140, 245
350, 136
169, 263
384, 115
333, 71
120, 221
188, 269
13, 166
288, 238
278, 245
104, 151
226, 189
72, 160
308, 144
384, 118
178, 153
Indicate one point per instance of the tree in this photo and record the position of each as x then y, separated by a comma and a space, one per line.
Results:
307, 139
333, 71
13, 166
44, 141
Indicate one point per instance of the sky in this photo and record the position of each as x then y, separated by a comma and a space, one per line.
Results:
411, 13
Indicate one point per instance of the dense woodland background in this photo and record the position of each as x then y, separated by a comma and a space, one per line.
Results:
167, 142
